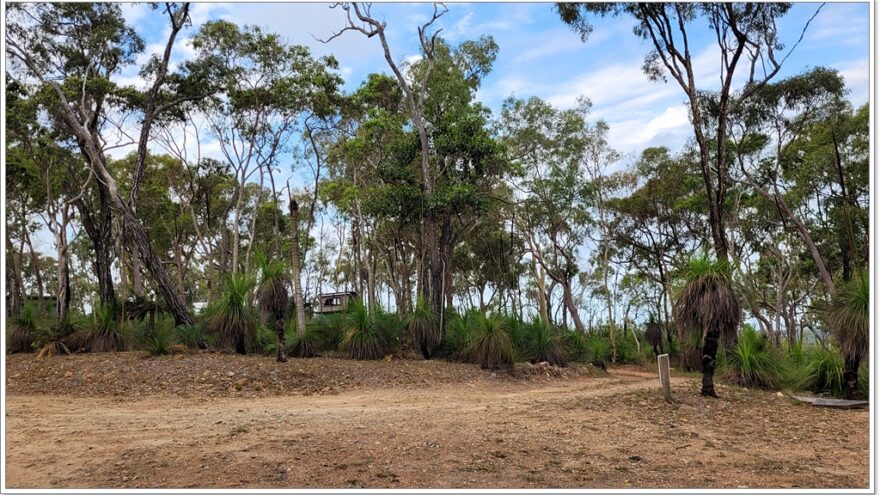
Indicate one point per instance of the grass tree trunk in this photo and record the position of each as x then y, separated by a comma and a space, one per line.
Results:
295, 266
710, 348
851, 376
282, 343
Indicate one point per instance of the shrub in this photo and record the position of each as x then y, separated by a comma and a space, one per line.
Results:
491, 345
22, 331
330, 328
364, 336
820, 371
542, 343
161, 340
752, 361
104, 333
54, 339
423, 328
598, 349
193, 336
232, 318
310, 343
575, 346
627, 350
456, 337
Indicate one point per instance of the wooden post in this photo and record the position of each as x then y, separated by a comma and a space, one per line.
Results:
663, 365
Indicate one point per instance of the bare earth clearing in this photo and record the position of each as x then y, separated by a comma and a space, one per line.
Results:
99, 421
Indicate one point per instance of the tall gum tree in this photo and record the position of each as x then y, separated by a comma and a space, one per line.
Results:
59, 46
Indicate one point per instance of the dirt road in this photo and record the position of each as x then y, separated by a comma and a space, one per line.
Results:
614, 431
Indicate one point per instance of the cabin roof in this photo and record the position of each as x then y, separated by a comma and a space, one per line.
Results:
333, 294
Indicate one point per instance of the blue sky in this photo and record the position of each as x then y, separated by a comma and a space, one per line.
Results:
540, 56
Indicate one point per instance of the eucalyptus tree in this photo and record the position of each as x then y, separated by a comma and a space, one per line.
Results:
268, 86
72, 51
359, 18
558, 196
658, 217
748, 40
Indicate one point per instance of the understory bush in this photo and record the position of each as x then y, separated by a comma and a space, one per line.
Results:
22, 331
104, 333
367, 337
491, 345
541, 343
753, 362
818, 370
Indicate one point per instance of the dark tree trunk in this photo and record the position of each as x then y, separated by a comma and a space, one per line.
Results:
13, 274
851, 376
282, 344
100, 234
710, 349
138, 237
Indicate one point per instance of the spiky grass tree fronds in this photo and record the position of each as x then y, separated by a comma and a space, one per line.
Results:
491, 345
309, 344
819, 371
162, 339
456, 337
362, 338
847, 317
423, 328
22, 331
194, 337
654, 334
575, 347
598, 350
104, 334
232, 318
708, 307
272, 299
53, 339
542, 344
753, 362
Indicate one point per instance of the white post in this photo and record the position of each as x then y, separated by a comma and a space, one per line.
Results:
663, 366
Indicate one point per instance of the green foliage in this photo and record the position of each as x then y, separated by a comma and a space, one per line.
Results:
819, 370
231, 318
491, 345
104, 334
272, 290
55, 338
707, 303
457, 336
193, 336
543, 344
311, 343
330, 327
365, 337
22, 331
753, 362
423, 328
598, 348
161, 340
848, 315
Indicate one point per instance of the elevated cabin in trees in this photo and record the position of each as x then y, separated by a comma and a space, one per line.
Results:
334, 301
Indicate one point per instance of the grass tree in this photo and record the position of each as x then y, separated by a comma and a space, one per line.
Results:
654, 334
708, 308
272, 298
232, 318
22, 331
491, 345
423, 328
848, 317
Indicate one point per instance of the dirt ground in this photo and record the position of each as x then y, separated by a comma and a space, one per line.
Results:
402, 424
